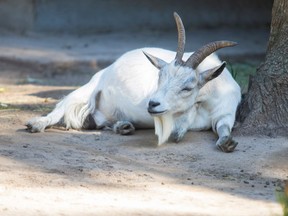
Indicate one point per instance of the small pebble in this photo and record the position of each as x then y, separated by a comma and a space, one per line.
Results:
246, 182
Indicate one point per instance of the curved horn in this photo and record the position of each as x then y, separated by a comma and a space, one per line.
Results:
197, 57
181, 39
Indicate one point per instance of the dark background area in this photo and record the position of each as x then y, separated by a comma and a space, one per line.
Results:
92, 16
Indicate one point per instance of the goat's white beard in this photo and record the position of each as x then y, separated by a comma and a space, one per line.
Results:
163, 127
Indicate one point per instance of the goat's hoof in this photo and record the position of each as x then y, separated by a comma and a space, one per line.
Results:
35, 125
226, 144
124, 128
31, 128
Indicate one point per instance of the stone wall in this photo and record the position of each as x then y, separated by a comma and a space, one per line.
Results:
89, 16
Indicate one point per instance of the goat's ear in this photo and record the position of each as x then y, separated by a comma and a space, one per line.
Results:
157, 62
211, 74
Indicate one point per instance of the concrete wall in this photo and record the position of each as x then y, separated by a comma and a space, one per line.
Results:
17, 15
89, 16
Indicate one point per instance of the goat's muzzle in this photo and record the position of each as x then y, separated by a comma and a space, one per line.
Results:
153, 108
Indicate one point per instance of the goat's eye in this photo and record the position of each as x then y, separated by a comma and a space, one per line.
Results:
186, 89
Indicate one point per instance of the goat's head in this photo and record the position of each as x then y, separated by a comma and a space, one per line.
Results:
179, 82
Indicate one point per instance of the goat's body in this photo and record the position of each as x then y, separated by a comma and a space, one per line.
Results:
121, 92
188, 92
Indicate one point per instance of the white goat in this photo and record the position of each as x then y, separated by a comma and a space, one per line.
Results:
181, 95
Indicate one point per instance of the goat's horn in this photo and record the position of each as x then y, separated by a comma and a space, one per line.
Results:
181, 39
197, 57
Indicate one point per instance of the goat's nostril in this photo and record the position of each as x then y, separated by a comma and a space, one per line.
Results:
153, 104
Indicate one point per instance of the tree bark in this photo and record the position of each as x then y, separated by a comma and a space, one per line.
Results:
264, 109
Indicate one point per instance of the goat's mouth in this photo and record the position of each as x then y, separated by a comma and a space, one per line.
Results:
157, 113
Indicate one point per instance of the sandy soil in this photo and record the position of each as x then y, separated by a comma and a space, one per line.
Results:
99, 173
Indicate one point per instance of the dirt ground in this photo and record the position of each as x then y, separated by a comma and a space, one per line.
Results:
99, 173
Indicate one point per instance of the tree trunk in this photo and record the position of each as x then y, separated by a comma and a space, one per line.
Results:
264, 109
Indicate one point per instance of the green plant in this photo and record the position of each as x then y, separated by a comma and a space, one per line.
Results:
282, 198
4, 106
241, 73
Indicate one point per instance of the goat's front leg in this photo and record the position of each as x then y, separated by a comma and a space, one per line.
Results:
178, 134
180, 127
225, 141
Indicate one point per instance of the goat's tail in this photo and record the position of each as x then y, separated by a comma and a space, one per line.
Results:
78, 106
75, 115
81, 104
82, 113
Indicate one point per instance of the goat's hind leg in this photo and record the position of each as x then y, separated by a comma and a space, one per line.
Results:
39, 124
119, 127
124, 128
